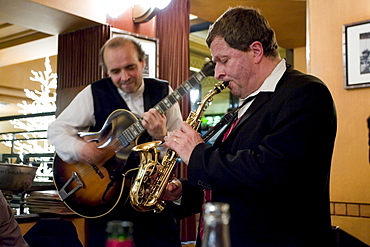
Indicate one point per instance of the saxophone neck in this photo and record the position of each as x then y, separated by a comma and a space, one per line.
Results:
194, 116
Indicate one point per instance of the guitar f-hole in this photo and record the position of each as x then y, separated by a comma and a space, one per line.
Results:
63, 193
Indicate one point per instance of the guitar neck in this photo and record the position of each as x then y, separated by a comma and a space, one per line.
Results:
171, 99
136, 129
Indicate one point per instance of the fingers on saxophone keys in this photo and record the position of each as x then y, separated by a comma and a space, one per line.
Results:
171, 138
175, 183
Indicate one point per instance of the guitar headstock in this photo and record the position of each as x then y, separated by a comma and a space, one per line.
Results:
209, 68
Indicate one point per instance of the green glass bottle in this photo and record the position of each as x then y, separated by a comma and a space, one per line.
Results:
119, 234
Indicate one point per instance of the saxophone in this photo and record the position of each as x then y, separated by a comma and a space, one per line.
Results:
152, 178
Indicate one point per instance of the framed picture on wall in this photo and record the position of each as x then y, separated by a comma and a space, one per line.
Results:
150, 46
356, 55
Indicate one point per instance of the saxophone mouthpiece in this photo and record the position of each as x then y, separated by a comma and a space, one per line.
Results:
221, 86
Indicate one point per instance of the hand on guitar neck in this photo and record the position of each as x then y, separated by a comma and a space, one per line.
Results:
155, 124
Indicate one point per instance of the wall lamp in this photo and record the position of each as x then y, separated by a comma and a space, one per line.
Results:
146, 10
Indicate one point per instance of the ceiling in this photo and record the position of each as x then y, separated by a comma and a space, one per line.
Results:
22, 34
286, 17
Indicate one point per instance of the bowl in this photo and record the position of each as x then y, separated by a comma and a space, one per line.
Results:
16, 178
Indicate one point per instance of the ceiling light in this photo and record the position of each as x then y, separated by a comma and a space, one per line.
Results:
145, 10
141, 14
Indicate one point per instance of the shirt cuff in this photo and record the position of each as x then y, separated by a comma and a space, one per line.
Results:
177, 201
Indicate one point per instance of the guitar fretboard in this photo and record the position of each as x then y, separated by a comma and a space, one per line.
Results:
132, 132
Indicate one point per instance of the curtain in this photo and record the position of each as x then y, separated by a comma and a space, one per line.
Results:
173, 27
78, 56
173, 34
78, 61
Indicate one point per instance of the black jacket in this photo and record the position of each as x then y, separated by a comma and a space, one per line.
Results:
274, 167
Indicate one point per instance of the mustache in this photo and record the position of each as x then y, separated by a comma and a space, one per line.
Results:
130, 80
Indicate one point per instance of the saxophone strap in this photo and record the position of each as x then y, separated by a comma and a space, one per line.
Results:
227, 119
247, 100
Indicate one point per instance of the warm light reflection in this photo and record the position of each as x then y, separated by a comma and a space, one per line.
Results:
194, 95
193, 17
117, 7
160, 4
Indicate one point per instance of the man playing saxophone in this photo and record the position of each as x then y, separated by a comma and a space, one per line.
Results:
272, 164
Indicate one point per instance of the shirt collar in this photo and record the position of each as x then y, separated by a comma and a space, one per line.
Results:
272, 80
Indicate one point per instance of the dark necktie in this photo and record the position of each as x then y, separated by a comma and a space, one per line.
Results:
235, 120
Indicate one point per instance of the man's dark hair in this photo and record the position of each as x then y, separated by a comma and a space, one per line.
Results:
240, 27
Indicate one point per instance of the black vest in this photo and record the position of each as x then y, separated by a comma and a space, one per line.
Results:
107, 99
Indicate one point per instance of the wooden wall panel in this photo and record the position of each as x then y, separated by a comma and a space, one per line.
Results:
350, 176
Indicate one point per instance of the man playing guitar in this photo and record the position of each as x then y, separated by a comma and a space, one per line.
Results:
122, 59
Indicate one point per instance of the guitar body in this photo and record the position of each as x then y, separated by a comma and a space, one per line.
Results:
92, 190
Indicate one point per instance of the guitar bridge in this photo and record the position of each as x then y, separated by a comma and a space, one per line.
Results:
63, 193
